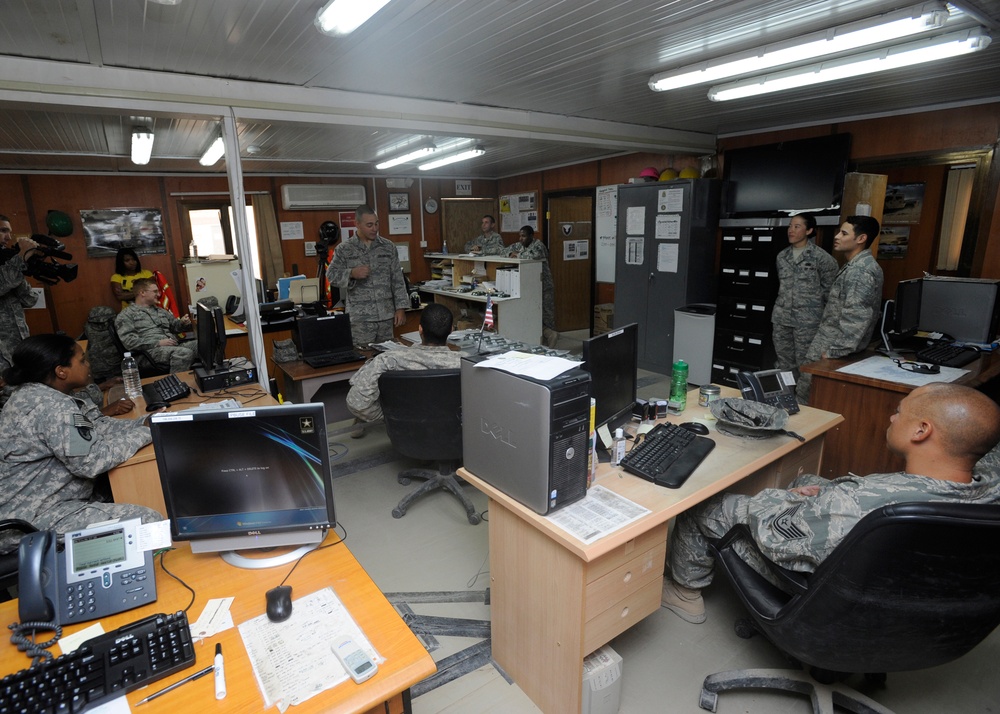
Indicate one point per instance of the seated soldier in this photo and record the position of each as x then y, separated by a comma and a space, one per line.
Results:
145, 325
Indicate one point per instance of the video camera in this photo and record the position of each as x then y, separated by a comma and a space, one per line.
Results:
41, 261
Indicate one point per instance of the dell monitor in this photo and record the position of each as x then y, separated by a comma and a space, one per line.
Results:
612, 359
907, 308
246, 478
211, 333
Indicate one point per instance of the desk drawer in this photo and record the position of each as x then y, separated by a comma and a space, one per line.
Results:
622, 615
624, 580
625, 552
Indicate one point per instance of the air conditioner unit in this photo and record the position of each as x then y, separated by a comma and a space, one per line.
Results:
304, 197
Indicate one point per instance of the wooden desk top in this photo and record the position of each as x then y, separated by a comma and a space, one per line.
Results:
732, 460
984, 369
406, 660
299, 370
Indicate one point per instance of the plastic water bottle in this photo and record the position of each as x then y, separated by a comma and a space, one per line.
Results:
678, 386
130, 376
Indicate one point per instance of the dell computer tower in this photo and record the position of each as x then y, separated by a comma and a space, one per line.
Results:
527, 437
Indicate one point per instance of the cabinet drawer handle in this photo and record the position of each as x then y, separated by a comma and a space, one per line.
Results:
624, 612
628, 577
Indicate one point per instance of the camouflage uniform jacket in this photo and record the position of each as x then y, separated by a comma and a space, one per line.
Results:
141, 327
363, 399
53, 446
15, 295
852, 309
538, 251
378, 296
491, 244
800, 532
804, 286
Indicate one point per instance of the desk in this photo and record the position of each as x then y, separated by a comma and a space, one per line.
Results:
137, 480
301, 382
867, 404
406, 660
555, 600
238, 341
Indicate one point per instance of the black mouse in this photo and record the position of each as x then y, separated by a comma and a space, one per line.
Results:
279, 603
153, 406
695, 427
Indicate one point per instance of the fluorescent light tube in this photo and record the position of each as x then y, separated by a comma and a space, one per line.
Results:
406, 158
342, 17
142, 145
454, 158
943, 47
879, 30
213, 153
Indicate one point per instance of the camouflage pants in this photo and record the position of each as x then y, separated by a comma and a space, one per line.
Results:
73, 515
179, 358
791, 344
365, 333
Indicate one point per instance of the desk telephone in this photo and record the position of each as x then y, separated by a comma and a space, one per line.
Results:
773, 386
100, 571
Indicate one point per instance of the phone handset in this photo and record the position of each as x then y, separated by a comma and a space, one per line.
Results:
36, 577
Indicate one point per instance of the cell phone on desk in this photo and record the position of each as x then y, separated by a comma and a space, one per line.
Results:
356, 661
773, 386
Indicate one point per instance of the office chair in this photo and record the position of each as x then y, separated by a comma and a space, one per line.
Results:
8, 561
148, 367
912, 586
423, 418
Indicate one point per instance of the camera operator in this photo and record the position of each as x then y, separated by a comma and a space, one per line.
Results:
15, 293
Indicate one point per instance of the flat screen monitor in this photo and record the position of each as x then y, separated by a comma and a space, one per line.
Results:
211, 333
246, 478
612, 359
787, 177
906, 309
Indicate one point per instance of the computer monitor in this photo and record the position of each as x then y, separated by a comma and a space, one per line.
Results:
612, 359
211, 333
906, 309
246, 478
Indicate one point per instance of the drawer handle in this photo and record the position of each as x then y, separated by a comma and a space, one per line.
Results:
628, 577
624, 611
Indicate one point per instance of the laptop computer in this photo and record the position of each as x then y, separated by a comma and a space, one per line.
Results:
326, 341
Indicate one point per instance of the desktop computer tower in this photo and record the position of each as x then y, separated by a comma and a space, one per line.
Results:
967, 309
527, 437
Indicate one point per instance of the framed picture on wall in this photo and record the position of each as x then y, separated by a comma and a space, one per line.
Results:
399, 202
903, 203
105, 230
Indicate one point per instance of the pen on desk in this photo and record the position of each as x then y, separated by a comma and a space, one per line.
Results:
196, 675
220, 673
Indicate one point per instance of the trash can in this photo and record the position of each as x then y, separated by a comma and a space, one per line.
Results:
694, 333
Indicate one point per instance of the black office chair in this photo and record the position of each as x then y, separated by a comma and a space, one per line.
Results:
8, 561
423, 418
912, 586
148, 367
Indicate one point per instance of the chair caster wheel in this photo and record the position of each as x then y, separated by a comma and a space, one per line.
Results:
474, 519
744, 629
708, 700
396, 513
403, 481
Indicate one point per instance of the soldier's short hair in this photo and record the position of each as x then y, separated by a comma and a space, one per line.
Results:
865, 225
143, 284
363, 210
436, 321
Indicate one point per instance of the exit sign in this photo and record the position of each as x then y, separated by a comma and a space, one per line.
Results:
463, 188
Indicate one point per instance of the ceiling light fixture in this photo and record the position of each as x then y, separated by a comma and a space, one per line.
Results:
424, 150
878, 30
213, 153
142, 145
461, 156
342, 17
930, 50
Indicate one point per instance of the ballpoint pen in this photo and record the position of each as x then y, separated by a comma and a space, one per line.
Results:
196, 675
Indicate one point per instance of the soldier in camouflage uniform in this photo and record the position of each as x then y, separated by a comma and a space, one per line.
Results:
805, 275
432, 353
366, 269
54, 446
853, 306
530, 249
941, 431
15, 293
145, 325
488, 242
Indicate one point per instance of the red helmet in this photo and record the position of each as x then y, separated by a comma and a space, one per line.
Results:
650, 172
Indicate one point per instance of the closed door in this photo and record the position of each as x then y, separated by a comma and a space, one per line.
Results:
571, 249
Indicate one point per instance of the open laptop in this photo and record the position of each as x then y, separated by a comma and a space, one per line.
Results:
326, 341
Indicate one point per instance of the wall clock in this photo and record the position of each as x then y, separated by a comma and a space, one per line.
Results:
430, 205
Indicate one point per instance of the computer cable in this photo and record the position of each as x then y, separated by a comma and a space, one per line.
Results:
163, 553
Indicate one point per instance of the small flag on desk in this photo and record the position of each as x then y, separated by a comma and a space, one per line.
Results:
488, 321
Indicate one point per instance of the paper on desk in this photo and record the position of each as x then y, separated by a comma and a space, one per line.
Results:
598, 514
879, 367
215, 618
540, 367
292, 660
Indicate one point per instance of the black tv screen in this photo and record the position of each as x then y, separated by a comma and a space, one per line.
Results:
787, 177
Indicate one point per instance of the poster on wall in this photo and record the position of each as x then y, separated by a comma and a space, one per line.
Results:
105, 230
903, 203
893, 242
517, 210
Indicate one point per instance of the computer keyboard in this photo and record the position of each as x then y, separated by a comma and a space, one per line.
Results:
102, 668
947, 355
166, 389
328, 360
667, 455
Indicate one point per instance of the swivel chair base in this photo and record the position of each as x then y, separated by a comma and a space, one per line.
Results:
823, 696
446, 480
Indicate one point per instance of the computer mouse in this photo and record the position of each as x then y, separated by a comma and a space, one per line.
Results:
153, 406
279, 603
695, 427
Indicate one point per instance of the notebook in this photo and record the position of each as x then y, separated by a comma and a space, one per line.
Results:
326, 340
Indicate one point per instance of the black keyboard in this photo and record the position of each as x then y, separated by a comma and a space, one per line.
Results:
102, 668
166, 389
667, 455
947, 355
328, 360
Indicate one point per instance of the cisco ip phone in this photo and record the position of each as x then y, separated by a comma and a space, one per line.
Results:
100, 571
773, 386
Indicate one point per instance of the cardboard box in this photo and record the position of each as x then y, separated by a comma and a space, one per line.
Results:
604, 318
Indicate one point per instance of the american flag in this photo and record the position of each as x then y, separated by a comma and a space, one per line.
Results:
488, 322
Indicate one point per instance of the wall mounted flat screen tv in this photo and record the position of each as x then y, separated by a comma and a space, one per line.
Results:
787, 177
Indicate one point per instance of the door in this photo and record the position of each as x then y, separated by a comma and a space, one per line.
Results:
571, 247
